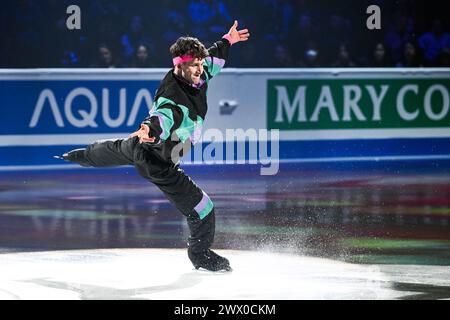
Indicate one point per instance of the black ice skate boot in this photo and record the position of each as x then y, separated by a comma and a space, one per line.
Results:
77, 156
209, 260
200, 241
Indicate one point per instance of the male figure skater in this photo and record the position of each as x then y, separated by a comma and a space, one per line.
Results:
179, 109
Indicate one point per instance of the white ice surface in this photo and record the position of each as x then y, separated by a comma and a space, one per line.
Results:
168, 274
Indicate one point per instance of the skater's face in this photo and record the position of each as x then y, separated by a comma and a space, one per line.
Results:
192, 70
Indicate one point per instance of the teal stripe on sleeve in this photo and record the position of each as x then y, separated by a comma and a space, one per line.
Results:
165, 121
214, 65
187, 126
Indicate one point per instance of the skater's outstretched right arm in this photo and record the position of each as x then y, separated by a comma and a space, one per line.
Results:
143, 134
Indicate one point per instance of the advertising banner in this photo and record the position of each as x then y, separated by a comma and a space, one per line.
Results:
303, 114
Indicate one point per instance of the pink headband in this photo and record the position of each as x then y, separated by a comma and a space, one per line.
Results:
185, 58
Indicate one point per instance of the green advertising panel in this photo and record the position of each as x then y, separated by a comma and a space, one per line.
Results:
358, 103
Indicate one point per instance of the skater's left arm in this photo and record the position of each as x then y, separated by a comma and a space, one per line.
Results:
218, 53
164, 118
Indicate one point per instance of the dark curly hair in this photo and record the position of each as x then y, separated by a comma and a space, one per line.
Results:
188, 46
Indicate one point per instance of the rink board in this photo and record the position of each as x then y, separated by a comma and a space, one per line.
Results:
320, 115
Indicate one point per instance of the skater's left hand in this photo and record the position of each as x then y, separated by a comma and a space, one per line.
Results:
236, 36
143, 134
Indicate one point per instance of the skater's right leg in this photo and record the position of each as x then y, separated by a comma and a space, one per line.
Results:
200, 241
195, 204
104, 153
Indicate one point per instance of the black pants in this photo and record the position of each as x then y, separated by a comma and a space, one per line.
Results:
181, 191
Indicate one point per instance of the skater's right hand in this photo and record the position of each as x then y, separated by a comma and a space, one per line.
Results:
143, 134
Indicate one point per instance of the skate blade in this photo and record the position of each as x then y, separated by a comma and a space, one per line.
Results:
224, 270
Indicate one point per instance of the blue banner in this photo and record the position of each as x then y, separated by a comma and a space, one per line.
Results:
29, 107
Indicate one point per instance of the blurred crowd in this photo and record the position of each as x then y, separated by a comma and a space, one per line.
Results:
284, 33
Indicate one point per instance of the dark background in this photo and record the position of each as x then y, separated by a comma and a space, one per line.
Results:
33, 33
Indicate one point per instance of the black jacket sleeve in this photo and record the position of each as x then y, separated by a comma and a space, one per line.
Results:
218, 54
163, 122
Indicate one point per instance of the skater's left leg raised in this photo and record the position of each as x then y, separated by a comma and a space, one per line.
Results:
104, 153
